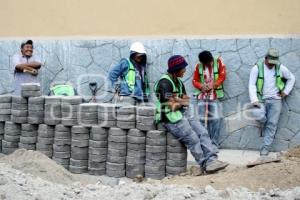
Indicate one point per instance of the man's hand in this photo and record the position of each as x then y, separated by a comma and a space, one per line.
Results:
282, 94
30, 71
205, 88
256, 104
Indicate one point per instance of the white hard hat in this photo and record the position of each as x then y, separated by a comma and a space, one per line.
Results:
138, 47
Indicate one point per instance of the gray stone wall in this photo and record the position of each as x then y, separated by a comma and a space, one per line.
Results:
84, 61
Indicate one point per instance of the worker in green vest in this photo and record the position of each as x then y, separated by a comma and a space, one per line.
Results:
173, 111
269, 83
134, 86
208, 78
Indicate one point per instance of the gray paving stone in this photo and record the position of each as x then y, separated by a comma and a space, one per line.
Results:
126, 110
117, 139
156, 142
116, 132
157, 176
12, 138
78, 163
156, 156
5, 105
126, 125
28, 93
116, 153
145, 111
116, 174
28, 140
27, 146
98, 151
5, 112
44, 140
5, 98
44, 147
61, 148
126, 118
107, 124
98, 144
177, 163
79, 153
78, 170
94, 164
29, 133
59, 141
80, 129
117, 145
79, 143
97, 171
97, 158
154, 134
176, 156
136, 140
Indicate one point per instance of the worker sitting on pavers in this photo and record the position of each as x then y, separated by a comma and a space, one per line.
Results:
172, 110
208, 78
134, 86
26, 66
269, 83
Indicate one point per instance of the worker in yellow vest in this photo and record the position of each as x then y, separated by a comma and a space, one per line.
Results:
134, 86
269, 83
208, 78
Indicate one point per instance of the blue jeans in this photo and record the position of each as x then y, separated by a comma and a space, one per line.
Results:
269, 115
194, 136
213, 120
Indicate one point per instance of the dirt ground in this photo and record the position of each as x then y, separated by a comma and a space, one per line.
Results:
285, 174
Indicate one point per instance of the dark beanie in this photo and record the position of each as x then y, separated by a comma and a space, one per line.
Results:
26, 42
176, 63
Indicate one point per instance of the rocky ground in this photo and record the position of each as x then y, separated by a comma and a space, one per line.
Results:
31, 175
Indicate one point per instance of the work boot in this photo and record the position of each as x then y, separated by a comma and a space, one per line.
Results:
215, 166
264, 151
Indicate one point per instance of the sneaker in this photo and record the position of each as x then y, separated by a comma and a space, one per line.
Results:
264, 152
215, 166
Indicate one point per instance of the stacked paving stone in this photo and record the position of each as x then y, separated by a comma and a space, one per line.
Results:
97, 150
28, 139
36, 110
126, 117
62, 145
107, 115
145, 118
45, 139
156, 148
69, 109
12, 132
5, 108
52, 110
79, 149
136, 153
88, 114
30, 90
116, 157
176, 156
2, 124
19, 110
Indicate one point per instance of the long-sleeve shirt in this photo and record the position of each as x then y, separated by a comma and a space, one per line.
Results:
209, 78
270, 89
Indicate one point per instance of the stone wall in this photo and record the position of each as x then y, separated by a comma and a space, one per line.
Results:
84, 61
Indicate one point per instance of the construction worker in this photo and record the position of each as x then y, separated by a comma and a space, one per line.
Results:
172, 111
208, 78
26, 66
134, 86
269, 83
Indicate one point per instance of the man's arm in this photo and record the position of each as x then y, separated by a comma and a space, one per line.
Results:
222, 74
29, 66
116, 72
196, 80
252, 85
289, 76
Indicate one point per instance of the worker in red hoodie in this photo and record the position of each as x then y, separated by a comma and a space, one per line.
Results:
209, 75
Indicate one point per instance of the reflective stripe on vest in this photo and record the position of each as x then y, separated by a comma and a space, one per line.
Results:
220, 89
260, 79
62, 90
173, 116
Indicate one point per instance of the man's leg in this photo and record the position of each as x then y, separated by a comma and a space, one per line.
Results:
214, 122
273, 110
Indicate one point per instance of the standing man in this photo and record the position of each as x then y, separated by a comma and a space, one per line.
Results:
134, 86
269, 83
26, 66
209, 75
171, 110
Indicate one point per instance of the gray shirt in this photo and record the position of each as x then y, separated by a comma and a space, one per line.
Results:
21, 77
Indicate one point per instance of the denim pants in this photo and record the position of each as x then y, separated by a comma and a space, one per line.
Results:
194, 136
213, 120
269, 115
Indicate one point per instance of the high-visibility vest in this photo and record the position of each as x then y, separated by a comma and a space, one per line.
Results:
172, 116
130, 78
219, 90
62, 90
280, 84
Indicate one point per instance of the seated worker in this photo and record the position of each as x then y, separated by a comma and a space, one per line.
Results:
177, 118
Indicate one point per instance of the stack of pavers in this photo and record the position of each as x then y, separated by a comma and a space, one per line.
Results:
107, 116
36, 110
5, 108
98, 150
52, 110
69, 110
62, 145
2, 124
126, 116
176, 156
19, 110
28, 139
156, 148
116, 157
12, 132
145, 118
45, 139
79, 149
30, 90
88, 114
136, 153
